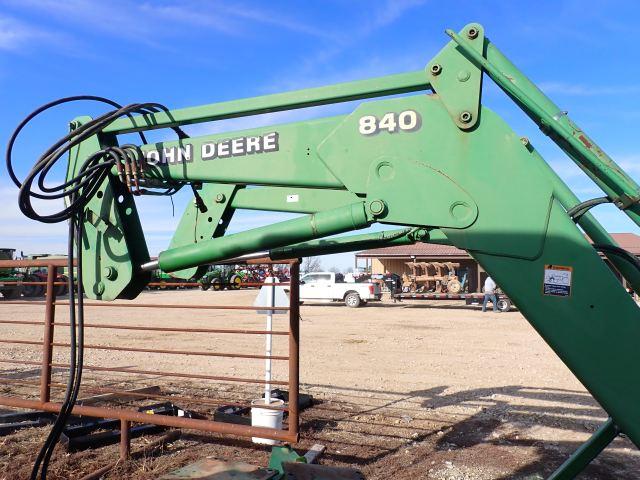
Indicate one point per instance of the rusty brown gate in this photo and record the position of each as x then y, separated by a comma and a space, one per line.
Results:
41, 397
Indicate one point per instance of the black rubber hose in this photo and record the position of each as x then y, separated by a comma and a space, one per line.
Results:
77, 191
579, 210
620, 252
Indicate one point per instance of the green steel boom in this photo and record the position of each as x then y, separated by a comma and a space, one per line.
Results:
437, 163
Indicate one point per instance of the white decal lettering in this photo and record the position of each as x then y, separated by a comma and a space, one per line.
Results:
185, 153
169, 155
253, 145
223, 149
237, 146
152, 157
270, 142
208, 151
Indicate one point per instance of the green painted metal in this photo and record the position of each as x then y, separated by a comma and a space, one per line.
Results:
589, 224
409, 161
9, 274
441, 176
590, 332
115, 246
281, 455
351, 243
457, 80
612, 179
341, 92
196, 226
321, 224
399, 167
295, 162
293, 200
587, 452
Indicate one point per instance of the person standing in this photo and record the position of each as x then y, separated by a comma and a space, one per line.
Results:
490, 295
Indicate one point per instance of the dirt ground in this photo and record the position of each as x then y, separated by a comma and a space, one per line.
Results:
433, 390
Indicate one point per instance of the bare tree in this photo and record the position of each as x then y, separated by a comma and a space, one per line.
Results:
311, 264
335, 270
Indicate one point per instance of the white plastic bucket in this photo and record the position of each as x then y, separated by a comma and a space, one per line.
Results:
266, 417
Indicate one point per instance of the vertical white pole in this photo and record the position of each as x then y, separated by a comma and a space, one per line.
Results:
267, 362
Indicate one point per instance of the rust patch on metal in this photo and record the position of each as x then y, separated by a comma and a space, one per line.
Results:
586, 142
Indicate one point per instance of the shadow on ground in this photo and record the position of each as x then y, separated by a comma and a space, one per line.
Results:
417, 433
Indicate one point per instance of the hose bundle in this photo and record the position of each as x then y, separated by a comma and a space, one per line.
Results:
76, 192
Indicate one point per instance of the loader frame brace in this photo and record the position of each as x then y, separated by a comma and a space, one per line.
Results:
440, 165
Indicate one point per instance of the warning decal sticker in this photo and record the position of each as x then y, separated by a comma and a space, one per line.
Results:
557, 280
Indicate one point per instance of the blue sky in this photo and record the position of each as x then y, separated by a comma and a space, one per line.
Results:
184, 53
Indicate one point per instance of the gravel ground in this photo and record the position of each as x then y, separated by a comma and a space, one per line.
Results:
431, 390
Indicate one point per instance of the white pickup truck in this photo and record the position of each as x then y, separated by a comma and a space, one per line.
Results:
331, 286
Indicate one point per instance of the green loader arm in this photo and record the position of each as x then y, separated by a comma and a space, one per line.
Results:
436, 163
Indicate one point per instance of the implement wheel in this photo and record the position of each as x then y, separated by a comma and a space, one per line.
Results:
235, 282
454, 286
504, 304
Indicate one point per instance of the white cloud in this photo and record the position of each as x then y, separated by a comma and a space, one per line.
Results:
16, 36
380, 15
568, 170
388, 13
629, 163
277, 19
148, 22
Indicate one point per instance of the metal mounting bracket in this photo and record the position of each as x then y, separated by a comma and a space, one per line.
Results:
457, 80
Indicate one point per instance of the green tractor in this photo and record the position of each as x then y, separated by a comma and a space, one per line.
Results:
162, 281
9, 291
221, 277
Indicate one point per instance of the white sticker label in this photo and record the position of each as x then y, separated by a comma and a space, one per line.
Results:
293, 198
557, 280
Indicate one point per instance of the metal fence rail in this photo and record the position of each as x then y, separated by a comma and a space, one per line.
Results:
127, 415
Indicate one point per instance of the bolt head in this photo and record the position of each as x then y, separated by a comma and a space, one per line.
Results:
376, 207
436, 69
110, 273
100, 288
472, 33
466, 117
525, 141
464, 75
220, 198
421, 234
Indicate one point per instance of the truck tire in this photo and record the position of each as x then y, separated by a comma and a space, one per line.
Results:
59, 290
504, 304
11, 293
352, 300
32, 290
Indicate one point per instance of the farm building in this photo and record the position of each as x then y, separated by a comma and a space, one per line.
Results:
396, 259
